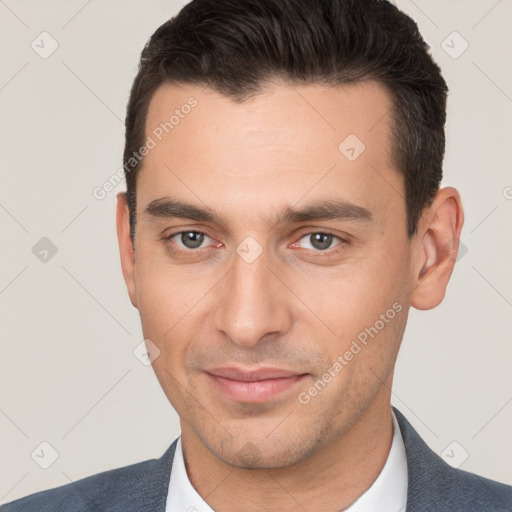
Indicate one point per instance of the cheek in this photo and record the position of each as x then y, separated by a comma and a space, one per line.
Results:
351, 299
172, 303
164, 293
161, 304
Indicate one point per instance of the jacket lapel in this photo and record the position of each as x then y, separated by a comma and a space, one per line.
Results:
154, 484
432, 483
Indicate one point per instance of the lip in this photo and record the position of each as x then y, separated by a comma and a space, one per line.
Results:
254, 386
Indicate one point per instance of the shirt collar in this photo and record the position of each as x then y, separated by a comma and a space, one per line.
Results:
388, 491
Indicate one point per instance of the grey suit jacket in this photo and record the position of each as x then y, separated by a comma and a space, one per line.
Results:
434, 486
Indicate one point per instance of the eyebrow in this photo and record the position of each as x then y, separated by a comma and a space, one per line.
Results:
169, 208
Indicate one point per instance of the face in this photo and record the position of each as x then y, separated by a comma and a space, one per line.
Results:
278, 298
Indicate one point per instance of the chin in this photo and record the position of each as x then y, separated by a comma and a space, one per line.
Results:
267, 453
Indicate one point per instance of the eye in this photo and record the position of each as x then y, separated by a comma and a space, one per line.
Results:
320, 241
188, 240
192, 241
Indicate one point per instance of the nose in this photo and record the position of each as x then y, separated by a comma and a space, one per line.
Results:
253, 303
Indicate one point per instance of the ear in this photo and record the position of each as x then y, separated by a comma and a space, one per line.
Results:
437, 244
126, 249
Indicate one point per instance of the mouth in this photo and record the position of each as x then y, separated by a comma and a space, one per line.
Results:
254, 386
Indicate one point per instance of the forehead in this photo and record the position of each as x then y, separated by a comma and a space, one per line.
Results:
288, 143
307, 116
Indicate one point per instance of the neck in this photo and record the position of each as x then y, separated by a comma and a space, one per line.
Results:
329, 480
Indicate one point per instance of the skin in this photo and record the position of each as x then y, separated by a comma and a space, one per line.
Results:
288, 308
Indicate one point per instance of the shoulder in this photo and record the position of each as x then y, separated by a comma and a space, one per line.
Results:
483, 493
436, 486
129, 488
457, 490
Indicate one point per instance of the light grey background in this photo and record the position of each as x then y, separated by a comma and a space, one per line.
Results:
68, 373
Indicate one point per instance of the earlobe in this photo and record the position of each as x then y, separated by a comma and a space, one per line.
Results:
126, 249
437, 246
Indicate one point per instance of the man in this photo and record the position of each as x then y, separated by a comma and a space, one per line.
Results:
283, 161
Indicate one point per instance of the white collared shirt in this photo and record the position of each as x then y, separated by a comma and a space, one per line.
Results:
387, 494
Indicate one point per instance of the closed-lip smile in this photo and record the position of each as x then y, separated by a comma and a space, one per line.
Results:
254, 385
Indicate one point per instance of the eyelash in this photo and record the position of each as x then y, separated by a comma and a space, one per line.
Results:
316, 253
